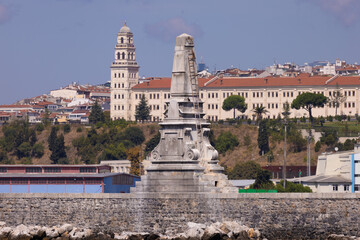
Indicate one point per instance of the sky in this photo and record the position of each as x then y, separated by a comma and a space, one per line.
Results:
48, 44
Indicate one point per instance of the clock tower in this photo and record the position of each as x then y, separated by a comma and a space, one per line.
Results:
124, 75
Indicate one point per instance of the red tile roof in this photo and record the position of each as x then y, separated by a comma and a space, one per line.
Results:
163, 83
15, 106
228, 82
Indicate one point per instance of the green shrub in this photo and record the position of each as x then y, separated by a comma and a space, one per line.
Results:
329, 118
226, 141
67, 128
23, 150
292, 187
317, 146
79, 129
39, 127
37, 150
249, 121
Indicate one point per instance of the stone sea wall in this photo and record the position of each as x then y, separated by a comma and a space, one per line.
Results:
275, 215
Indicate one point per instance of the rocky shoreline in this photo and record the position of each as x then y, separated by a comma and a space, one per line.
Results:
225, 231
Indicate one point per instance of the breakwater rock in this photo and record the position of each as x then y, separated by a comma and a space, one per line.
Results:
226, 230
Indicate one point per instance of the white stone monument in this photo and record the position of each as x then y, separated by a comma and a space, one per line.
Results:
184, 160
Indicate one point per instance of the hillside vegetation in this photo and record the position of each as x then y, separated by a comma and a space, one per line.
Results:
21, 143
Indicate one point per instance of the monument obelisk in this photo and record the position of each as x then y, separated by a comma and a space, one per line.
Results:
184, 160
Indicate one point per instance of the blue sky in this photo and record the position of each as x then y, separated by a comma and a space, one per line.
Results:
47, 44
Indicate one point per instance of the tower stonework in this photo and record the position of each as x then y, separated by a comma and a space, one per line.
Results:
184, 160
124, 75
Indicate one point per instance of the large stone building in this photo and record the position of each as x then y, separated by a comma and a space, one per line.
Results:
271, 92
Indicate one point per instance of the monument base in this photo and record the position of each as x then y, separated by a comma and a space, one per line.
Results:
181, 177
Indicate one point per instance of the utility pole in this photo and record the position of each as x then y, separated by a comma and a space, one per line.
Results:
284, 167
308, 153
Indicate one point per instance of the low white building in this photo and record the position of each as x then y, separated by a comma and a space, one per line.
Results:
335, 172
118, 166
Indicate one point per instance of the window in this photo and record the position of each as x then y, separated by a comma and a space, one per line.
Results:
283, 94
119, 96
150, 96
202, 95
123, 75
353, 104
87, 169
38, 181
118, 55
33, 170
165, 95
122, 96
92, 181
353, 93
122, 107
158, 96
217, 95
135, 96
52, 169
346, 188
253, 94
335, 187
208, 106
122, 40
115, 96
3, 169
19, 181
123, 55
292, 94
276, 94
268, 94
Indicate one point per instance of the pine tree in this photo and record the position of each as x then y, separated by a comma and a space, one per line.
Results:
142, 110
58, 151
263, 138
52, 139
96, 114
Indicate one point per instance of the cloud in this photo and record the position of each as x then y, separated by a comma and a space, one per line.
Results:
5, 14
167, 30
347, 11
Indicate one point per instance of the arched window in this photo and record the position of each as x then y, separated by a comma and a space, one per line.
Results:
132, 56
128, 55
122, 40
123, 55
118, 55
129, 40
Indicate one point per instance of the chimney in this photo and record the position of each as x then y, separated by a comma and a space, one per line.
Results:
221, 82
265, 80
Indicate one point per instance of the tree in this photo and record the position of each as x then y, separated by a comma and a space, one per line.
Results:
337, 98
37, 150
226, 141
46, 118
142, 111
308, 101
58, 151
133, 154
135, 135
259, 111
52, 138
263, 137
262, 180
245, 170
234, 102
152, 143
96, 114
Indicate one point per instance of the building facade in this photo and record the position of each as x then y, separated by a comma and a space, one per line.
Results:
64, 179
271, 92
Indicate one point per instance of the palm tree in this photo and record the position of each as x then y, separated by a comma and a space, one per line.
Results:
260, 111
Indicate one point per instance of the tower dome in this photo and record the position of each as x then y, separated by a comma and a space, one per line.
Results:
125, 29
